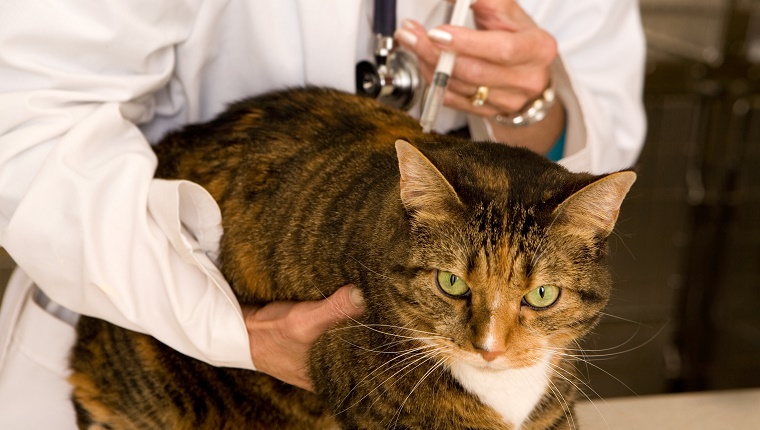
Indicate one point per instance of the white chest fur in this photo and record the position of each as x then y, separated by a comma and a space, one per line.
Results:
513, 393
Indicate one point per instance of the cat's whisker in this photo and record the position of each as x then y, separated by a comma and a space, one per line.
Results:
403, 356
371, 375
418, 357
372, 326
439, 363
370, 270
329, 300
549, 383
383, 349
563, 403
624, 319
576, 357
414, 363
616, 353
584, 359
396, 343
587, 358
359, 324
403, 339
400, 342
558, 371
621, 240
413, 357
601, 369
585, 351
386, 351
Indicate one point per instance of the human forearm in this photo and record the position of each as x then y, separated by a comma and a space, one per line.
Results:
80, 211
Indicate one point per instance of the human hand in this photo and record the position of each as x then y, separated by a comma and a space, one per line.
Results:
508, 53
281, 333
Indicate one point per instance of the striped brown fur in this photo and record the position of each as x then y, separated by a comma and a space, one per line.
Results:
315, 194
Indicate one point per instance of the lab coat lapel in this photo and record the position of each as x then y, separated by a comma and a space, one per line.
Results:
430, 13
330, 29
330, 32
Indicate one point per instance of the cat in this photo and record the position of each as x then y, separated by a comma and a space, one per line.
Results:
480, 264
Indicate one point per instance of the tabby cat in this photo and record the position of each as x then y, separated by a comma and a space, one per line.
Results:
480, 265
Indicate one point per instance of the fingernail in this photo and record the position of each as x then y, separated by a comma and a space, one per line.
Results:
440, 36
356, 297
408, 24
405, 36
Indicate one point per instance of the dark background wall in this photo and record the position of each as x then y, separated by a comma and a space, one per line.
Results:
685, 314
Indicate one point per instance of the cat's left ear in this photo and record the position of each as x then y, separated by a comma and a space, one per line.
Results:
424, 190
595, 208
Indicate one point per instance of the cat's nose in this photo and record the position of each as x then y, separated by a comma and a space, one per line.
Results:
490, 355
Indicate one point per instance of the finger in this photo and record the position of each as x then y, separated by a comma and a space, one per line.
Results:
500, 15
503, 100
501, 47
413, 37
530, 81
467, 81
498, 102
464, 104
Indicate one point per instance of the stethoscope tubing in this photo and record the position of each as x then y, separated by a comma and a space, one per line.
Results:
384, 19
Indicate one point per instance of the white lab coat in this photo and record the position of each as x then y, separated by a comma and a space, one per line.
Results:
84, 88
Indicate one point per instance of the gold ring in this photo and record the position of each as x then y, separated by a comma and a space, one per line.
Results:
479, 99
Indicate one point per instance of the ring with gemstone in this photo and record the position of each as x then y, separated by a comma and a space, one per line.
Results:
480, 97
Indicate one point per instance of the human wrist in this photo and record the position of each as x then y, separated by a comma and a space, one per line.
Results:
536, 110
539, 137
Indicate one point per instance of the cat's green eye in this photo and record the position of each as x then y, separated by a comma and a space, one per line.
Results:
452, 284
542, 297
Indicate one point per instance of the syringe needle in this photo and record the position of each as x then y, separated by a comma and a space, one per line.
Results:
433, 101
434, 96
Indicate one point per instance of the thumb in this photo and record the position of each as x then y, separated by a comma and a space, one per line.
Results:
346, 302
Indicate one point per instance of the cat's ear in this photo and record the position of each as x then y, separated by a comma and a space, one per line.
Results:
594, 209
424, 190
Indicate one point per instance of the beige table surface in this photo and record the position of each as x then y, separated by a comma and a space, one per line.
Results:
714, 410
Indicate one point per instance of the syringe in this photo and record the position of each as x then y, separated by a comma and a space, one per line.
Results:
434, 97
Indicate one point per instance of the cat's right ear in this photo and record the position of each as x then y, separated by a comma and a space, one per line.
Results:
595, 208
424, 191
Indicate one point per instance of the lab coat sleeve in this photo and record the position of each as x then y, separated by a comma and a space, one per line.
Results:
80, 211
599, 79
603, 50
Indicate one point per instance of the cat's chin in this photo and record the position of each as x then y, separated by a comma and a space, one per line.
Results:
495, 365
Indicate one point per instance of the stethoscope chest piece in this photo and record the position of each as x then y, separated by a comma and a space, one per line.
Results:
395, 83
394, 78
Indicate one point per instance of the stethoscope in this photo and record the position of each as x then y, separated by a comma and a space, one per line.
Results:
394, 79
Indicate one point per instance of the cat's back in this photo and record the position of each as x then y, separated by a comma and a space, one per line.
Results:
284, 131
287, 138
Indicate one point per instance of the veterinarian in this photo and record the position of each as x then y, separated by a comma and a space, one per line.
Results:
85, 86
